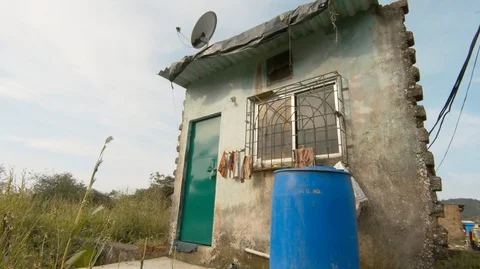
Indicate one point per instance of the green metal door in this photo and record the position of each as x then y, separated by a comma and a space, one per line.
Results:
199, 191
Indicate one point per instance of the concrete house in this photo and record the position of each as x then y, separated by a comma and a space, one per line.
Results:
337, 76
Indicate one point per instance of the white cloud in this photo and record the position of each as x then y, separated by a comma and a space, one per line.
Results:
125, 165
13, 90
58, 145
96, 61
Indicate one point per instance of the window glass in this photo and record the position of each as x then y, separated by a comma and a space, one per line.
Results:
316, 122
279, 68
274, 130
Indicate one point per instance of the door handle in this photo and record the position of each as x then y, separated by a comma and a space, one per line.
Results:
212, 169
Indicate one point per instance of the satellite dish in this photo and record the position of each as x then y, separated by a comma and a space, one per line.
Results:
204, 29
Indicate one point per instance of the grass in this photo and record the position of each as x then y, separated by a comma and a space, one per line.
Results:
57, 233
461, 260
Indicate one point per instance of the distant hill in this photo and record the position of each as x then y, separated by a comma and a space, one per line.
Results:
472, 207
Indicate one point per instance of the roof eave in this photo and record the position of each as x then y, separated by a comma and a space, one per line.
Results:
215, 58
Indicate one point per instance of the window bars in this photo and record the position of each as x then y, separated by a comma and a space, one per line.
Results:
309, 113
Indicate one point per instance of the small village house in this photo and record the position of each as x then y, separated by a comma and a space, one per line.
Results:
452, 222
337, 76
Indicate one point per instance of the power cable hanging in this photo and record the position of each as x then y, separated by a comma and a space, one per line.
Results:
451, 98
461, 109
180, 35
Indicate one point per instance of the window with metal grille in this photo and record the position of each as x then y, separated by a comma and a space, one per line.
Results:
307, 115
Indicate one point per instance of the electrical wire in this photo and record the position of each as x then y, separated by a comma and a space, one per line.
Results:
333, 19
451, 98
186, 38
180, 35
173, 99
461, 109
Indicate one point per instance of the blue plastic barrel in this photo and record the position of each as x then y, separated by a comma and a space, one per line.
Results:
469, 225
314, 224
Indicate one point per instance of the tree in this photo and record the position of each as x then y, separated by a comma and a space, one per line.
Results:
66, 187
164, 182
63, 186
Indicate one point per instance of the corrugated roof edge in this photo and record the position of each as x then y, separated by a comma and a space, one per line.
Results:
306, 18
250, 38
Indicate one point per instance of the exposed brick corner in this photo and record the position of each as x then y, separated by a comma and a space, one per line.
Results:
431, 171
435, 184
429, 159
436, 240
415, 73
421, 147
423, 135
410, 39
415, 93
411, 54
437, 210
400, 4
440, 238
420, 113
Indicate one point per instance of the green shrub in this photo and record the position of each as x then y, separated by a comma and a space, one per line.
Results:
55, 221
461, 260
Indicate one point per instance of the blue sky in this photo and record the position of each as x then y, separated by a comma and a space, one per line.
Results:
74, 72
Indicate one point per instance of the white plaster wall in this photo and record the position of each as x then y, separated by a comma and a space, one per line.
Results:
380, 126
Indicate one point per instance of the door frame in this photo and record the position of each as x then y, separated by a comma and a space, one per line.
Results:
185, 168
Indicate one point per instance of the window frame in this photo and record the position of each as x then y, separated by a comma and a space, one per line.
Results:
256, 132
271, 82
264, 163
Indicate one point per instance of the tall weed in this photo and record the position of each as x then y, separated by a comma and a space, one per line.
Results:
39, 232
